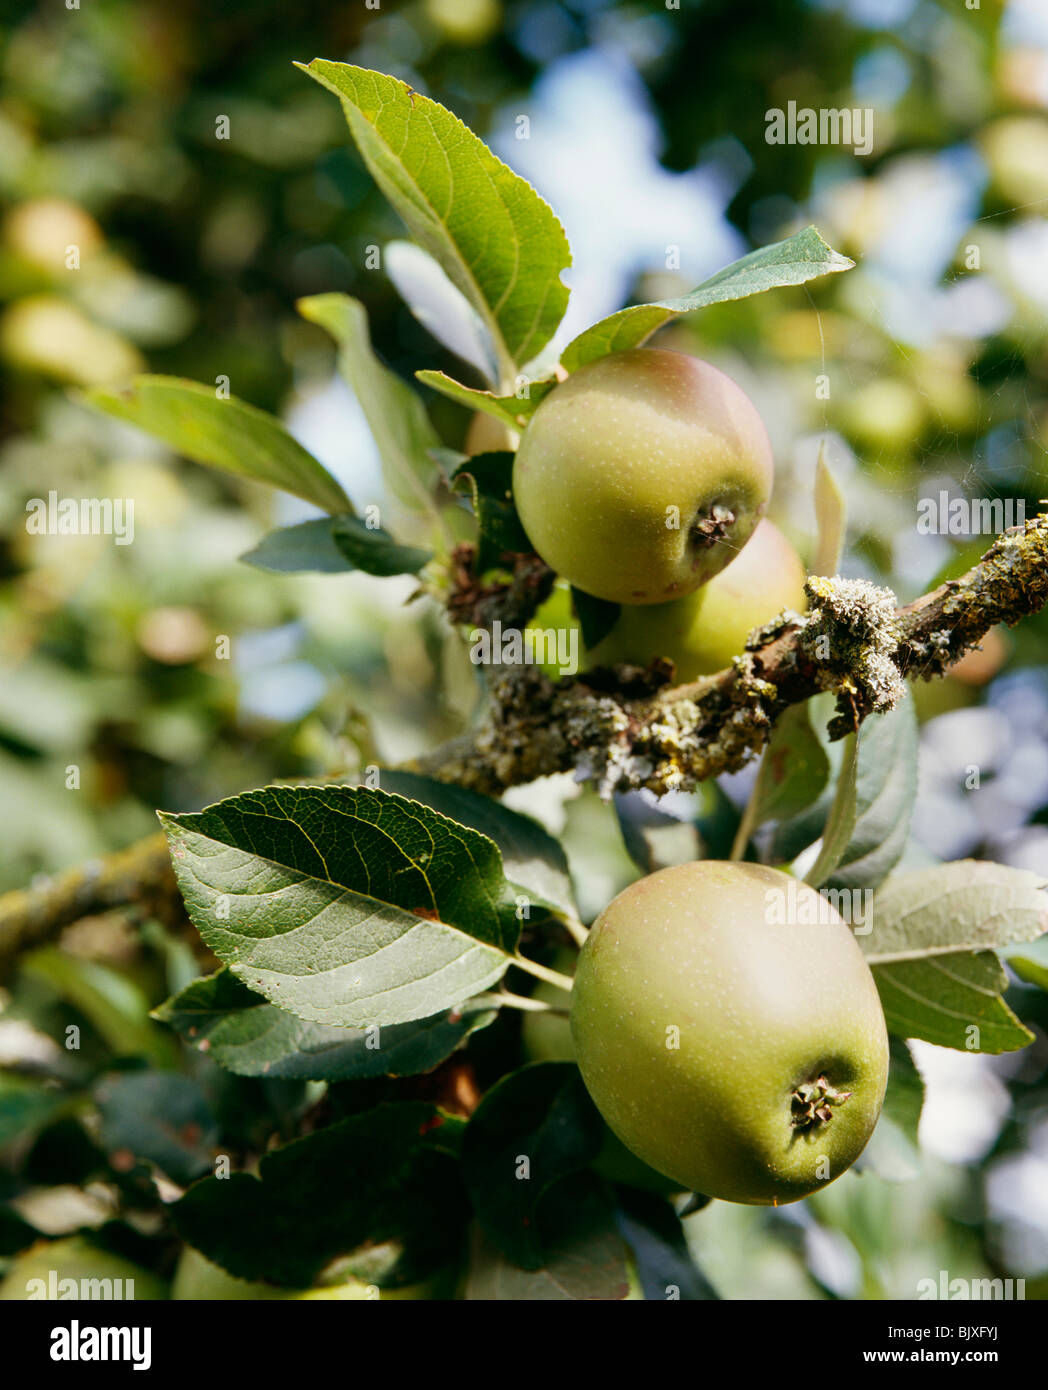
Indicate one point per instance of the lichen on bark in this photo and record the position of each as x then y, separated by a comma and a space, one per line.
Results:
854, 641
633, 728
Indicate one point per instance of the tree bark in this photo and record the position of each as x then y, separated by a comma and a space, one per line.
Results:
854, 641
632, 728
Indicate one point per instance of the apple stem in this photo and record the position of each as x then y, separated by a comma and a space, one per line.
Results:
543, 972
521, 1001
575, 929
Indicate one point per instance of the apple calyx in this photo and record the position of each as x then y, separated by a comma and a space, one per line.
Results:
812, 1103
708, 530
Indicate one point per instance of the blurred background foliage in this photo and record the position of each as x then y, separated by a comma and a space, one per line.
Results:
646, 131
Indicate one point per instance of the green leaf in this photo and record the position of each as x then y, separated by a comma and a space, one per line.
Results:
830, 517
596, 616
904, 1098
489, 481
439, 306
843, 812
655, 839
447, 461
793, 834
26, 1107
373, 550
531, 858
308, 547
1030, 962
226, 433
64, 1154
513, 411
386, 1174
244, 1033
15, 1234
793, 771
717, 820
586, 1257
971, 904
802, 257
653, 1231
953, 1000
161, 1117
532, 1129
869, 822
345, 905
396, 416
113, 1004
930, 951
498, 241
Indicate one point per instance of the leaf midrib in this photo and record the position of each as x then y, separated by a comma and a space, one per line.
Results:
342, 888
507, 363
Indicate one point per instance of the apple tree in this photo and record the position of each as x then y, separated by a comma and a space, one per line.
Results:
381, 963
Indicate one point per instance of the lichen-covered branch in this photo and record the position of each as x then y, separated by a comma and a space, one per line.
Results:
630, 728
139, 876
472, 603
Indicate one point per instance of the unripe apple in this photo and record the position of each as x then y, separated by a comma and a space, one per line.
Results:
642, 475
743, 1055
74, 1268
703, 631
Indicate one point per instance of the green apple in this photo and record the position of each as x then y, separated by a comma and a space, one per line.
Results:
640, 476
730, 1032
703, 631
73, 1268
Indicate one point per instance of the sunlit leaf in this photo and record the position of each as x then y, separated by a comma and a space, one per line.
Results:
498, 241
345, 905
802, 257
223, 432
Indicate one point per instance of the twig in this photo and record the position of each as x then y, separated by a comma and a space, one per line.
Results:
613, 727
138, 876
629, 728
